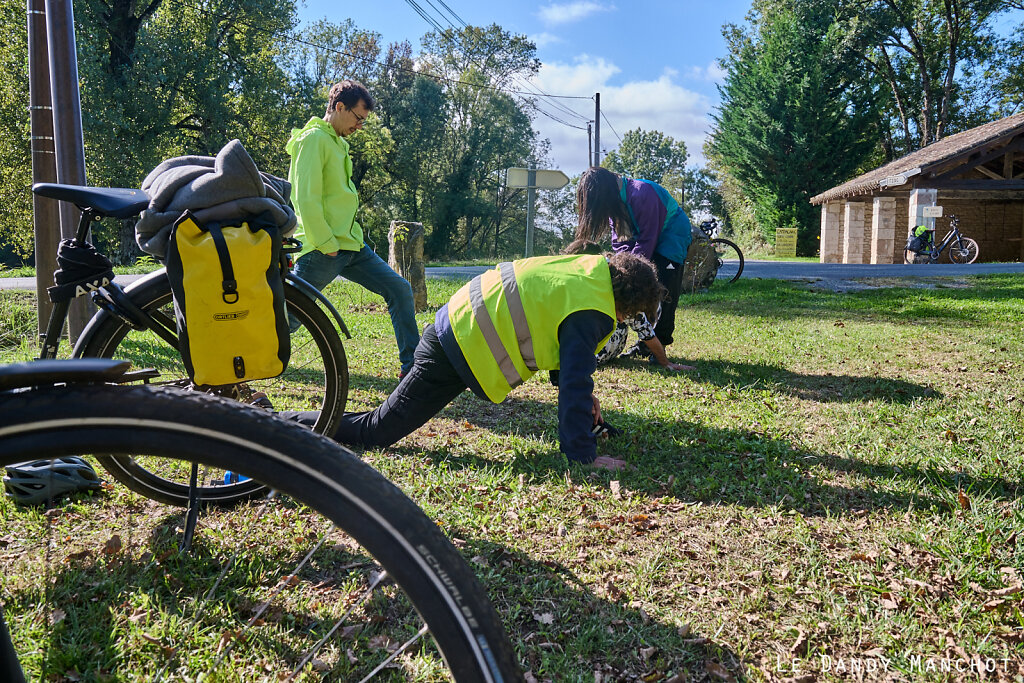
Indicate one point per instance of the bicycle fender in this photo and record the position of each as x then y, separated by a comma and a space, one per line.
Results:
101, 315
315, 294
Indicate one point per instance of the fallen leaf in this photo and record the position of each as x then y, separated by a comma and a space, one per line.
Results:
113, 545
965, 502
718, 671
889, 601
615, 489
799, 647
992, 605
546, 618
684, 630
647, 652
57, 615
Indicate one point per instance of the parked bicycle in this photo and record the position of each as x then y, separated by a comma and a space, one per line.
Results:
922, 248
730, 257
137, 323
344, 579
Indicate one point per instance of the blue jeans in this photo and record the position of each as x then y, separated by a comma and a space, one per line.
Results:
369, 270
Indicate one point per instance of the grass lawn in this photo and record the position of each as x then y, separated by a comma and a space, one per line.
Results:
834, 494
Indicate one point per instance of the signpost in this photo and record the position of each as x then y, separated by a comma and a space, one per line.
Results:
931, 211
785, 241
533, 179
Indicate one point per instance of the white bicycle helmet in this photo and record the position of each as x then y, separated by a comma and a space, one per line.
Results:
35, 482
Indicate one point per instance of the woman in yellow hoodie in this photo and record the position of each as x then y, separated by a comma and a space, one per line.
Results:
326, 201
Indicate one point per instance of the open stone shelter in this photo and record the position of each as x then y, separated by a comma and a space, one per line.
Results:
977, 175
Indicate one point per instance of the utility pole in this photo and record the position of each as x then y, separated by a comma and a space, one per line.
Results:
531, 194
590, 143
67, 124
597, 129
45, 216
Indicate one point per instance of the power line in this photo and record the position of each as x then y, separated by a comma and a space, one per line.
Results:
605, 117
291, 37
537, 92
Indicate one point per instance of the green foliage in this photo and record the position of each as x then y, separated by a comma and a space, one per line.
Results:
792, 122
648, 155
16, 237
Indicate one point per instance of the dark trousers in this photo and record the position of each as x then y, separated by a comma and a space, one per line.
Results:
429, 385
670, 274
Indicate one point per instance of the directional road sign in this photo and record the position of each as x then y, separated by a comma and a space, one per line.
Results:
544, 180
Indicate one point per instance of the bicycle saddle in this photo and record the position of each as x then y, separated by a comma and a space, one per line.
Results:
116, 202
45, 372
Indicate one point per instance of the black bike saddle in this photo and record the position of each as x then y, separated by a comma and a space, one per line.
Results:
116, 202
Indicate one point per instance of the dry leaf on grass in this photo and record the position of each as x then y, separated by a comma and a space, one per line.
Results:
718, 672
113, 545
799, 647
965, 502
546, 618
615, 489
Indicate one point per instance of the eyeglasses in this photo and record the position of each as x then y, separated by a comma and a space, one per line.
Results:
359, 119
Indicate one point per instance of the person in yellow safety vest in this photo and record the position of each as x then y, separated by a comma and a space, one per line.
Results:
546, 313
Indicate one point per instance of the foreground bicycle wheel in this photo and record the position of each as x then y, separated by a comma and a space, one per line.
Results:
730, 260
325, 587
316, 379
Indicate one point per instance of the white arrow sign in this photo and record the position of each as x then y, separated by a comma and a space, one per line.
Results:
544, 179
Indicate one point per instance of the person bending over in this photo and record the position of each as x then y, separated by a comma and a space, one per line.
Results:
546, 313
644, 219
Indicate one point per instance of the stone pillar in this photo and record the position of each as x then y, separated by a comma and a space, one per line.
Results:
405, 256
831, 222
853, 239
915, 213
883, 230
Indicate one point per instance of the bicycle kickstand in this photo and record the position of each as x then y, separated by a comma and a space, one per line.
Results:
192, 515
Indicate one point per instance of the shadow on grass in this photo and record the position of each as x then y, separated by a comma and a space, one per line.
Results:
607, 636
169, 608
736, 466
827, 388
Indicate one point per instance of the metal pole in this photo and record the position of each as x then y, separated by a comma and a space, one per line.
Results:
597, 129
45, 216
67, 123
531, 192
590, 143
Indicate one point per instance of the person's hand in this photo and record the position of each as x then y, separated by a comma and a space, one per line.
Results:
596, 411
332, 253
678, 367
605, 462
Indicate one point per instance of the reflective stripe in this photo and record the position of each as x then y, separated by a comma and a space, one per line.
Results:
515, 308
486, 325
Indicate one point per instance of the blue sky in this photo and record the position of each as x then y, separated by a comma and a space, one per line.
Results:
652, 61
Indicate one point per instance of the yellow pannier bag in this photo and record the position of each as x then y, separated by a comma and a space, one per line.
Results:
228, 289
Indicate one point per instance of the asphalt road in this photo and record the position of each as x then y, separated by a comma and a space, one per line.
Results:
771, 270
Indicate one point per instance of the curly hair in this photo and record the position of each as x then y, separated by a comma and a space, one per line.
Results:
635, 285
600, 207
349, 93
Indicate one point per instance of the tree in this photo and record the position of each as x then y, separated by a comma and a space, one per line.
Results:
487, 130
793, 121
16, 237
649, 155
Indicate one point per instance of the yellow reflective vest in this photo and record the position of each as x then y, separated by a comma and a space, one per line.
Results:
506, 320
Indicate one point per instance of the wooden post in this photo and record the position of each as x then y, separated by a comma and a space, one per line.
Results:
405, 256
883, 230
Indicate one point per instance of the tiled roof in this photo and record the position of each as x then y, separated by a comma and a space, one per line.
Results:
933, 154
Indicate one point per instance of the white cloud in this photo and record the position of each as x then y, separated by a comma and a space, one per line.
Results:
712, 73
661, 104
552, 15
545, 39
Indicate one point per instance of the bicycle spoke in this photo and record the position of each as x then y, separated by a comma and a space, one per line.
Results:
405, 646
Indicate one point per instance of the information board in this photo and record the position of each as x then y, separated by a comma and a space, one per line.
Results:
785, 242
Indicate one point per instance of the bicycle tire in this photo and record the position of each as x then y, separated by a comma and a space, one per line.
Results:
312, 469
728, 253
968, 253
315, 343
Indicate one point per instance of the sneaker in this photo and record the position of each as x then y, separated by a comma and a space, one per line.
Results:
260, 400
638, 351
